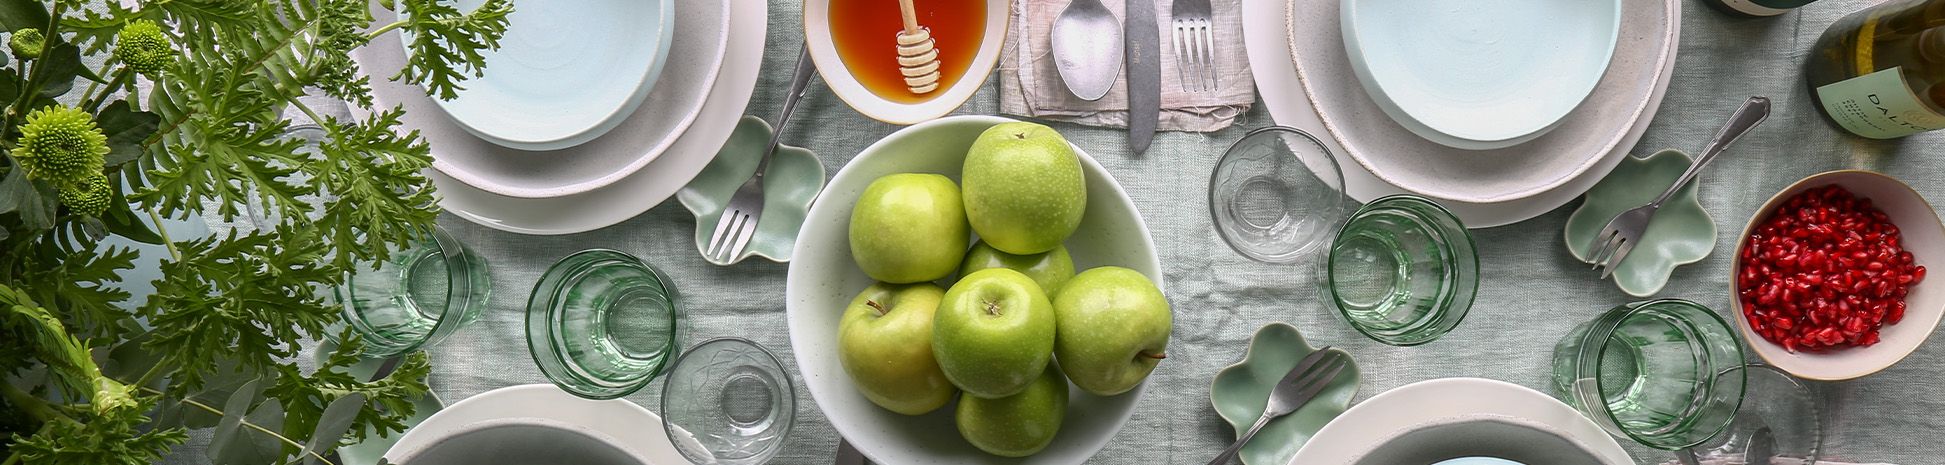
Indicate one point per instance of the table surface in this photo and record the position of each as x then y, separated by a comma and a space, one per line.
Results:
1531, 290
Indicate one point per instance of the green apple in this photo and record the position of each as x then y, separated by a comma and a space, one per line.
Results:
1018, 425
1023, 187
994, 333
1114, 326
1049, 269
909, 228
884, 341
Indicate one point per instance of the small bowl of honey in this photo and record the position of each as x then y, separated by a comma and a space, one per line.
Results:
905, 61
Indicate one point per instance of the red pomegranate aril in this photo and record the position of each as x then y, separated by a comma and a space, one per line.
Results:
1826, 270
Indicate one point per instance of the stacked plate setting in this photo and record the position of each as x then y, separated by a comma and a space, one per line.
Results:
565, 134
1300, 53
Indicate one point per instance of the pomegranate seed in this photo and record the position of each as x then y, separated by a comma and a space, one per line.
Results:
1826, 270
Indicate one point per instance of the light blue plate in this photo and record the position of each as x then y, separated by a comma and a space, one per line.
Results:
566, 71
1479, 74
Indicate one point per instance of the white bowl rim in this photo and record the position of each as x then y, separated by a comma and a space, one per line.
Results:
823, 52
1857, 363
1536, 403
1152, 269
410, 452
1529, 129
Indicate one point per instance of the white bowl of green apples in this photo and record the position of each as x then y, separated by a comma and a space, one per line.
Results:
976, 290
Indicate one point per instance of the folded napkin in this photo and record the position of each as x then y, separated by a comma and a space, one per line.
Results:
1775, 461
1030, 86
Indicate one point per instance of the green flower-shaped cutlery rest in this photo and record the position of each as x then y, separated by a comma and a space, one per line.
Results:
1682, 233
1240, 391
793, 180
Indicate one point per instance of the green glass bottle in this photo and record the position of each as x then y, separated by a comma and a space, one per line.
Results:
1880, 72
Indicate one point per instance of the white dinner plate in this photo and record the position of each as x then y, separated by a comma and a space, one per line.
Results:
1266, 39
550, 90
1361, 434
699, 44
619, 423
631, 195
1479, 75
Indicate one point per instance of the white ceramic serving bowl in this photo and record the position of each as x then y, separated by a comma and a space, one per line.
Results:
823, 51
1923, 236
566, 72
1480, 75
537, 423
823, 279
1433, 420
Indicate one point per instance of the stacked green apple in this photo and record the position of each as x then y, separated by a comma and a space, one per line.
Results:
991, 340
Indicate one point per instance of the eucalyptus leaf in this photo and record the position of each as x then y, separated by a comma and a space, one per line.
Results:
126, 130
253, 446
35, 201
123, 221
21, 14
332, 425
63, 63
9, 84
223, 383
234, 410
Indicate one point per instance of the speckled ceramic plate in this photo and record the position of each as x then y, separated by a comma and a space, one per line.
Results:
1682, 232
791, 182
1240, 391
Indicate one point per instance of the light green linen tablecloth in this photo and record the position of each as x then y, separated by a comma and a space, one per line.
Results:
1531, 292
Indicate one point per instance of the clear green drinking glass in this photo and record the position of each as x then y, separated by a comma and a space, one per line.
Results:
1403, 270
601, 324
1665, 373
417, 298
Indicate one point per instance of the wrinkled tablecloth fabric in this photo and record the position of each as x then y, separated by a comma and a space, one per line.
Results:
1030, 86
1531, 292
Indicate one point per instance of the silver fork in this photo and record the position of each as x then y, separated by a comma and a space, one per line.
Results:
1302, 384
1619, 237
1195, 48
745, 209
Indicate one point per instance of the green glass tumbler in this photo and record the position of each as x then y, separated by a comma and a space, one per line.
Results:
417, 297
1403, 270
1665, 373
601, 324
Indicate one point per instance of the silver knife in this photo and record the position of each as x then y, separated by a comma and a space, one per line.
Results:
1144, 46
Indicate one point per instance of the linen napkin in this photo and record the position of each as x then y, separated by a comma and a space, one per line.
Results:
1030, 86
1775, 461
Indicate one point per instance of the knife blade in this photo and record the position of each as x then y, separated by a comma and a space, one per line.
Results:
1144, 57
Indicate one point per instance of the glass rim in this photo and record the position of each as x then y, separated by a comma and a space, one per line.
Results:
788, 393
541, 340
1605, 325
1452, 307
1336, 173
459, 289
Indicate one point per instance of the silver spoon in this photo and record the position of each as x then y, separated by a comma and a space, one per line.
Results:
1087, 48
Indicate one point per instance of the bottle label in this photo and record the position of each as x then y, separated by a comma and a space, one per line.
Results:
1878, 105
1764, 7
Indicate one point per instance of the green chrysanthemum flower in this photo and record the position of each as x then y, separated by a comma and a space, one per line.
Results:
61, 144
28, 43
88, 198
142, 45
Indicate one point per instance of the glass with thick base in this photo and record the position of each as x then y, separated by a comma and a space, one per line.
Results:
1403, 270
1664, 373
728, 401
602, 324
415, 298
1277, 195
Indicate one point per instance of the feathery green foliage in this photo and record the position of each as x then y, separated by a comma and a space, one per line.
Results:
84, 156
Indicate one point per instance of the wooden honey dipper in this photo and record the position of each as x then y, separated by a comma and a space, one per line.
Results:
917, 59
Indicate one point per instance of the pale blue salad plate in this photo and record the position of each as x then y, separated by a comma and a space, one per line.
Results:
565, 73
1479, 75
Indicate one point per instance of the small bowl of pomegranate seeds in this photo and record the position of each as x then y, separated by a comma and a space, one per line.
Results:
1830, 275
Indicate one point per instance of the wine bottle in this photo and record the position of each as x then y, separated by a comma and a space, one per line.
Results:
1755, 8
1880, 72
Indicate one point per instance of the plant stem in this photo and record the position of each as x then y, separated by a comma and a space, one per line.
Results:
280, 437
12, 459
35, 78
114, 84
164, 232
35, 407
382, 30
